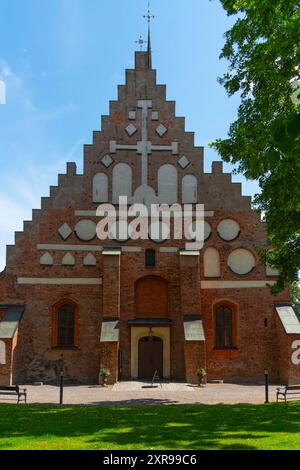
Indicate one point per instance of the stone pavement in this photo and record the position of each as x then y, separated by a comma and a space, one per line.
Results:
141, 393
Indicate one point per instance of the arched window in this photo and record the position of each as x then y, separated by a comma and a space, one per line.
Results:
189, 189
122, 182
150, 260
66, 326
167, 184
100, 188
224, 327
65, 330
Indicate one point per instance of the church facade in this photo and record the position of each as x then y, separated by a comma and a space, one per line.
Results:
71, 301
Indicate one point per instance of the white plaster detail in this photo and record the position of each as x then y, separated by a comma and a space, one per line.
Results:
132, 115
168, 250
68, 260
107, 161
46, 260
144, 147
79, 213
189, 253
131, 249
161, 130
54, 247
2, 353
100, 188
196, 225
90, 260
189, 189
235, 284
131, 130
86, 230
228, 229
212, 265
271, 271
122, 182
159, 231
65, 231
183, 162
168, 184
241, 261
31, 281
154, 116
145, 195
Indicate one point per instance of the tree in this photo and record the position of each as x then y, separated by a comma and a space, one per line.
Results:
263, 51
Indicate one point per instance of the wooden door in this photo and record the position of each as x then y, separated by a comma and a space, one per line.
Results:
150, 357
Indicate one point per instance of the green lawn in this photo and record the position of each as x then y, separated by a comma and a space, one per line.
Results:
150, 427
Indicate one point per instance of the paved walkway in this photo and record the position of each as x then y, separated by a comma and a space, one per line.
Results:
141, 393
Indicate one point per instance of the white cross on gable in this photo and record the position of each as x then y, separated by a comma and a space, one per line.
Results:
144, 147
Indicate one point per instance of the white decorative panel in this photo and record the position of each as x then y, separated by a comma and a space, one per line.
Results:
90, 260
228, 229
68, 260
131, 129
159, 231
241, 261
161, 130
183, 162
65, 231
100, 188
107, 161
189, 189
46, 260
168, 184
212, 266
122, 182
2, 353
132, 115
86, 230
155, 116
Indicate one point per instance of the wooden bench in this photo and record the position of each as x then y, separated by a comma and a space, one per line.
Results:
288, 390
14, 390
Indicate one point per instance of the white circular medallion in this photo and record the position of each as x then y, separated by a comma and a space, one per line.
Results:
241, 261
228, 230
86, 230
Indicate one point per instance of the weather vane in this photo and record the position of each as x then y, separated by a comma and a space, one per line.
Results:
141, 42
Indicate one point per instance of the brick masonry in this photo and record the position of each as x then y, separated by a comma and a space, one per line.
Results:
170, 290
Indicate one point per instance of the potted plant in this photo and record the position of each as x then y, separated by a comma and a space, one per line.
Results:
104, 374
201, 373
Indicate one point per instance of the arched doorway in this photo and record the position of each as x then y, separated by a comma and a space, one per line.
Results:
150, 357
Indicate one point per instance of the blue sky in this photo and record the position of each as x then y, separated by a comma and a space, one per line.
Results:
62, 60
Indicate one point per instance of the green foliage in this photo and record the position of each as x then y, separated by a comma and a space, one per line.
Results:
295, 291
263, 52
164, 427
104, 373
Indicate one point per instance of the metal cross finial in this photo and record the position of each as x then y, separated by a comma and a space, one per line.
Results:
141, 42
149, 17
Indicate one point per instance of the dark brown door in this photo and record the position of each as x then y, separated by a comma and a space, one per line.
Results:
150, 357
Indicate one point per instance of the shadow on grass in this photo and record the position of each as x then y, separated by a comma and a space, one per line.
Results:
153, 427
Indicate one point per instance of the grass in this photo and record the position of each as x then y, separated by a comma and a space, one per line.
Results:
41, 427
